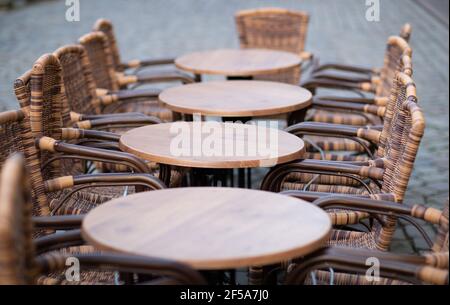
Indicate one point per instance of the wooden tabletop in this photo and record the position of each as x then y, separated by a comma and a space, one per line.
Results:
209, 228
238, 62
236, 98
160, 142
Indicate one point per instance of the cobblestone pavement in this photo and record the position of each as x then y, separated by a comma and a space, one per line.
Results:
338, 32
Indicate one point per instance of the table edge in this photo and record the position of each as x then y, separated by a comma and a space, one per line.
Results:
202, 164
250, 113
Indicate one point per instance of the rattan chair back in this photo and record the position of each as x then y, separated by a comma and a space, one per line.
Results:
404, 126
272, 28
105, 26
46, 112
16, 247
16, 135
79, 87
277, 29
394, 62
101, 59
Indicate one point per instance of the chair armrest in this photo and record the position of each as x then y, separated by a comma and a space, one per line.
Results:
345, 78
312, 196
388, 208
56, 241
351, 260
348, 68
140, 63
274, 178
334, 84
128, 94
379, 101
58, 222
82, 182
77, 133
100, 180
328, 129
153, 77
350, 106
180, 273
93, 154
118, 122
76, 117
164, 76
306, 56
340, 167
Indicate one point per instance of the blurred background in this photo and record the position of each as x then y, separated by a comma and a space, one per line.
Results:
338, 31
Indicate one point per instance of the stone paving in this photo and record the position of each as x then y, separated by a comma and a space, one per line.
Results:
338, 32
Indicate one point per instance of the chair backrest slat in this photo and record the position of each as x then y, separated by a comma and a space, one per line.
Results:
16, 137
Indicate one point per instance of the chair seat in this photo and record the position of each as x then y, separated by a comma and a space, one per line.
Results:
324, 278
338, 217
83, 201
334, 144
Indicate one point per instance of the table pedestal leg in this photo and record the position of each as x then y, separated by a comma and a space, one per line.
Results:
165, 173
197, 78
241, 177
255, 275
297, 116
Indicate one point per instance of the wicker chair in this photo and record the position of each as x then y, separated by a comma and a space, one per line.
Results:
83, 107
350, 263
388, 174
106, 77
332, 141
357, 111
278, 29
18, 251
105, 26
56, 173
379, 85
55, 103
356, 74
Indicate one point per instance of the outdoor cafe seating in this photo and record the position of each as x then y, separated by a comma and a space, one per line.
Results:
254, 177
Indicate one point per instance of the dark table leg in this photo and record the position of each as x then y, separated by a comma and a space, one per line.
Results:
297, 116
165, 172
197, 78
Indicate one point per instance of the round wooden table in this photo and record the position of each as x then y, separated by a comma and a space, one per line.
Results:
238, 62
209, 228
157, 143
238, 98
160, 143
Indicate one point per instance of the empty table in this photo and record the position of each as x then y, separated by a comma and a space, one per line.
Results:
211, 145
238, 62
239, 98
209, 228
